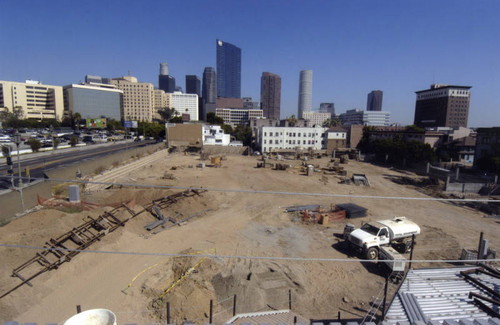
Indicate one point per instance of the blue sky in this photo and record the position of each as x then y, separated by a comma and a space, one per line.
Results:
352, 47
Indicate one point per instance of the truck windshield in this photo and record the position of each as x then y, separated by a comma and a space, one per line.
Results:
370, 229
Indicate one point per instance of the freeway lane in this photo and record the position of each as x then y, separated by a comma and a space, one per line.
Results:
41, 162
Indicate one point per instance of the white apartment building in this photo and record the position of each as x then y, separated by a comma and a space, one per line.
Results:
273, 138
235, 116
316, 118
213, 135
37, 101
184, 104
138, 98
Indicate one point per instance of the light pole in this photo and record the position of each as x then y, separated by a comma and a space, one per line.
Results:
17, 141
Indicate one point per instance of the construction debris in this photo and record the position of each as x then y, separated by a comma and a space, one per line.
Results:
318, 213
360, 179
63, 248
352, 210
216, 161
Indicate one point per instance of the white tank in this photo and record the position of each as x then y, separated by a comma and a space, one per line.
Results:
93, 317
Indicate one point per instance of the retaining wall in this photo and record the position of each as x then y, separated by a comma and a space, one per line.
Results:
11, 204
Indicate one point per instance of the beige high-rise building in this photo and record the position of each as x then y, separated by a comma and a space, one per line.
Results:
161, 101
37, 101
138, 99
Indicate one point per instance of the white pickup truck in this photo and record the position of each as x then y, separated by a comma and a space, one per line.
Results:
395, 232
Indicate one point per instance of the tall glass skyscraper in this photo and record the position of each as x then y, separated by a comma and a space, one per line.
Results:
374, 102
193, 85
270, 95
228, 70
305, 91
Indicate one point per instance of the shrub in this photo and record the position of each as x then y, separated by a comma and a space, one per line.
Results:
73, 141
34, 144
55, 143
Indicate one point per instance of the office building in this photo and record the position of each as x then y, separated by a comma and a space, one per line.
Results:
208, 92
185, 105
250, 104
374, 102
278, 138
238, 116
305, 92
270, 95
327, 108
165, 81
93, 100
316, 118
370, 118
193, 85
36, 100
228, 70
442, 105
138, 99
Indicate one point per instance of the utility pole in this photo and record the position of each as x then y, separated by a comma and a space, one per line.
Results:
17, 140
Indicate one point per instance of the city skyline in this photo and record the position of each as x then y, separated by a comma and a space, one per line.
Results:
409, 52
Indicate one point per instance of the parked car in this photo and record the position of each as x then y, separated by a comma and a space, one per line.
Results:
5, 138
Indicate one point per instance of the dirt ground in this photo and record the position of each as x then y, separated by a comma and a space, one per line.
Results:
235, 224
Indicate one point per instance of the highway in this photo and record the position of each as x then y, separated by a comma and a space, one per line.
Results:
41, 162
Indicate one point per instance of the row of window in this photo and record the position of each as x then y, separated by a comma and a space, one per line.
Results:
292, 134
309, 142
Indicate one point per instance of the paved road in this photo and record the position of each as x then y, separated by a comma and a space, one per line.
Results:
41, 162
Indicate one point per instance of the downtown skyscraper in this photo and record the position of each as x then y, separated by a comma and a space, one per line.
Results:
208, 92
165, 81
193, 85
270, 95
228, 70
305, 92
374, 102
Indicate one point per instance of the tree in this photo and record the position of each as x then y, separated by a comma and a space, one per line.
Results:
34, 144
166, 114
243, 133
336, 121
292, 120
55, 143
228, 129
327, 123
76, 120
176, 119
73, 141
214, 119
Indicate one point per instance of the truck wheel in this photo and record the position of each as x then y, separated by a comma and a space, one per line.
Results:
372, 253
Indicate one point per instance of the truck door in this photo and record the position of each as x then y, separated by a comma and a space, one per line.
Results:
383, 237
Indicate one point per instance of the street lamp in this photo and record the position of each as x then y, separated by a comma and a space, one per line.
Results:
17, 141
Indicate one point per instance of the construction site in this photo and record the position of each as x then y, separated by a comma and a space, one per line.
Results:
201, 238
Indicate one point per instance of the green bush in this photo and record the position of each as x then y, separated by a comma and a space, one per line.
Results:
73, 141
34, 144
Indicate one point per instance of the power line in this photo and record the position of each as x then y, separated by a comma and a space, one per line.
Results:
215, 189
269, 258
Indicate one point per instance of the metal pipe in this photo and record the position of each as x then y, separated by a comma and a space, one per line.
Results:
488, 299
412, 246
385, 295
211, 310
168, 312
479, 246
